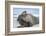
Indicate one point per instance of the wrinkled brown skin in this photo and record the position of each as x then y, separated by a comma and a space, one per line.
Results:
25, 20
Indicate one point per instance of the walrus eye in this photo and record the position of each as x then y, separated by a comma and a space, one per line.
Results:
24, 13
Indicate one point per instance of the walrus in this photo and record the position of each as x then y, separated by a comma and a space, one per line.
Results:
25, 20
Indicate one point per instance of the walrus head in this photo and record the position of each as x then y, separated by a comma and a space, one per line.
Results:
25, 19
